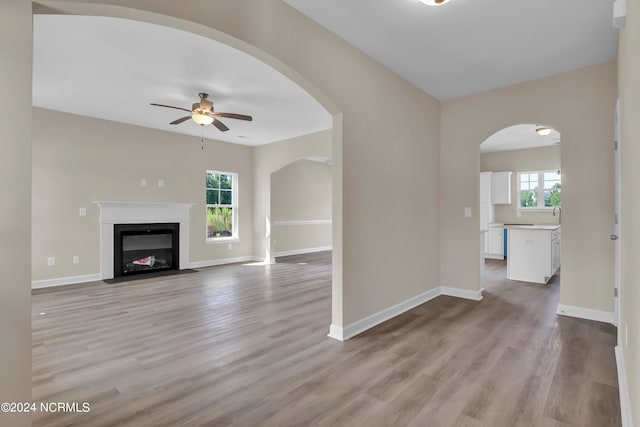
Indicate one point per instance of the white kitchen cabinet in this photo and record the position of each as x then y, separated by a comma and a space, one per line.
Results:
486, 209
534, 253
501, 188
495, 242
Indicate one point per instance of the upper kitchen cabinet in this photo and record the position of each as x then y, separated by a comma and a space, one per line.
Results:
501, 188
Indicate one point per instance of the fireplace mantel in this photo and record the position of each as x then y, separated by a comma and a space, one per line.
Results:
140, 213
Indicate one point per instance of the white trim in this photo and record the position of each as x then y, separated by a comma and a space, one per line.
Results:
303, 251
623, 387
140, 213
303, 222
585, 313
492, 256
62, 281
336, 332
462, 293
350, 331
222, 261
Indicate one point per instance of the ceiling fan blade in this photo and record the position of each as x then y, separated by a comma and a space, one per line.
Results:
171, 106
233, 116
180, 120
217, 123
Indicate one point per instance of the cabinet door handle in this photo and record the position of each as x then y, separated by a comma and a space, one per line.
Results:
614, 237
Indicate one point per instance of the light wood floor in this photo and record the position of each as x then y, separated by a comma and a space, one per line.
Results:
246, 345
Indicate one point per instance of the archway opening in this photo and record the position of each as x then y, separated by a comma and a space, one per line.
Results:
520, 206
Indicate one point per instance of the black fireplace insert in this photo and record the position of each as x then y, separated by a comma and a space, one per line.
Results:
145, 248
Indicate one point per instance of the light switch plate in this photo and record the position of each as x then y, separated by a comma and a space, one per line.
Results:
160, 183
51, 261
467, 212
143, 182
76, 259
83, 211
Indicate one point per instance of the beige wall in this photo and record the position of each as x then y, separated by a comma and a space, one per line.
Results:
15, 226
301, 191
534, 159
78, 160
354, 88
267, 161
580, 105
629, 92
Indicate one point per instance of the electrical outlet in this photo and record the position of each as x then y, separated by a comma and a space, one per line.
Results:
76, 259
229, 246
274, 242
160, 183
519, 214
83, 211
143, 182
51, 261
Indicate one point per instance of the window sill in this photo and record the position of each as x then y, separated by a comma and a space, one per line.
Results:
221, 240
536, 209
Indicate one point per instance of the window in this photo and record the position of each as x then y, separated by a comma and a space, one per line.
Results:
222, 212
539, 189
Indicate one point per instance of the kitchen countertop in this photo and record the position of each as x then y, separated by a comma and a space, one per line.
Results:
535, 226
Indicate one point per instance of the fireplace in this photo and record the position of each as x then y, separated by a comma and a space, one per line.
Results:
142, 214
145, 248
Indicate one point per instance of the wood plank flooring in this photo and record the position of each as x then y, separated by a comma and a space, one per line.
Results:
246, 345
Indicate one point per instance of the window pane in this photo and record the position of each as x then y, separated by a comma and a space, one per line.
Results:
552, 197
551, 184
212, 197
528, 199
225, 182
551, 176
225, 197
219, 222
212, 180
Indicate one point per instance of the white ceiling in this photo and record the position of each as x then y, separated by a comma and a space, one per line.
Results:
117, 67
469, 46
519, 137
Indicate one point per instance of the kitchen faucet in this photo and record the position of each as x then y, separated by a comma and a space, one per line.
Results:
559, 213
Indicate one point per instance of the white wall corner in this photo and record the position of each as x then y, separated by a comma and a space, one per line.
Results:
586, 313
623, 387
462, 293
369, 322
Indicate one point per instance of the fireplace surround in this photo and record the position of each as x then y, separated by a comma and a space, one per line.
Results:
112, 213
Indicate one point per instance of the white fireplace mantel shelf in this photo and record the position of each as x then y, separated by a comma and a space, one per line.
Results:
140, 213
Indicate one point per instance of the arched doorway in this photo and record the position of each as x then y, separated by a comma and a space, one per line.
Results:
520, 204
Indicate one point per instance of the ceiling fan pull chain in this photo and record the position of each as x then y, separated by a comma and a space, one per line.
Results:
202, 137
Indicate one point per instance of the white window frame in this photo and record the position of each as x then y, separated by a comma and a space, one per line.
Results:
235, 236
540, 192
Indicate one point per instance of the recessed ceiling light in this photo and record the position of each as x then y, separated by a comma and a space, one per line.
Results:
543, 131
434, 2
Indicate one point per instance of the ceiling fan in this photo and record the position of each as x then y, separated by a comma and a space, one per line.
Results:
203, 114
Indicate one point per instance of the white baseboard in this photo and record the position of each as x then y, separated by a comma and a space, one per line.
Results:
61, 281
501, 257
336, 332
462, 293
74, 280
222, 261
623, 387
350, 331
586, 313
303, 251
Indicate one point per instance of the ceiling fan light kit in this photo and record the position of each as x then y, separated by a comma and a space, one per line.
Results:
203, 114
434, 2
